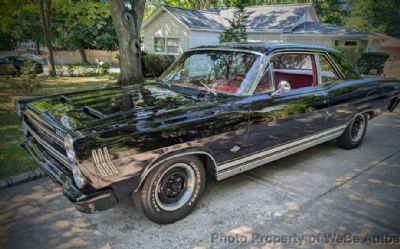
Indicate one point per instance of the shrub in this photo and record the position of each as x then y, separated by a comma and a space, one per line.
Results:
71, 70
28, 73
155, 65
104, 68
7, 70
351, 53
372, 61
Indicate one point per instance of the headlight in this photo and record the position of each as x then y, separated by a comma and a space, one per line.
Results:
79, 179
69, 148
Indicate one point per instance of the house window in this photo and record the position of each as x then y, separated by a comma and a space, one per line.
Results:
159, 44
172, 45
336, 43
350, 43
166, 45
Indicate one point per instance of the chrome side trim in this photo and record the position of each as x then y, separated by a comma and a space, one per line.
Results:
103, 163
238, 166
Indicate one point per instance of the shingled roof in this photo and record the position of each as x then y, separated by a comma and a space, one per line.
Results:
262, 18
316, 28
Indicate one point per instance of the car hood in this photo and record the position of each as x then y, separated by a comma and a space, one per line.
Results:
90, 109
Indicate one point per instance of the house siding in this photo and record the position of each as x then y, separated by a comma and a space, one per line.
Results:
199, 38
324, 41
165, 25
264, 37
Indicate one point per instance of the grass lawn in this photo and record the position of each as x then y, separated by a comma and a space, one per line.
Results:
13, 159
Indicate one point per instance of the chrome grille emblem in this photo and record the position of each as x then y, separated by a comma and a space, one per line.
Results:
59, 133
103, 163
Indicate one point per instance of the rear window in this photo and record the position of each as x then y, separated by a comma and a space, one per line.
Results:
345, 67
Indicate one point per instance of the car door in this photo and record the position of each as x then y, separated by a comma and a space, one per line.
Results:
284, 118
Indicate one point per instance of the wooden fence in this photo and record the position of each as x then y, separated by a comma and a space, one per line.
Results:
392, 69
69, 57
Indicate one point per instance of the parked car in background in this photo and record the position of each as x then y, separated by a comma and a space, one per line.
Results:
218, 110
16, 62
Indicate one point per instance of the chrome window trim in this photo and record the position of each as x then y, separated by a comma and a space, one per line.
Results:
248, 91
336, 67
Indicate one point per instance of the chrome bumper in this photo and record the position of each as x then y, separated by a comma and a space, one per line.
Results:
90, 202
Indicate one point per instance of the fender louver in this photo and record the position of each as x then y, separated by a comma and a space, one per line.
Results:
103, 163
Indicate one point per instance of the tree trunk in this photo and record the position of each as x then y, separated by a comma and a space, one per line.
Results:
82, 53
45, 13
127, 21
38, 47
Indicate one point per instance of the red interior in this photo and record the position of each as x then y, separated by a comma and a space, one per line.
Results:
226, 88
297, 78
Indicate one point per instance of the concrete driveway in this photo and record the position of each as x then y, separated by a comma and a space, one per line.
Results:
302, 200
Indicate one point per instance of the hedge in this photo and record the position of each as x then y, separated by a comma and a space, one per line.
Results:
351, 53
372, 61
155, 64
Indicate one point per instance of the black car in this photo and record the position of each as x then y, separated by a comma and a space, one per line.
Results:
218, 110
17, 62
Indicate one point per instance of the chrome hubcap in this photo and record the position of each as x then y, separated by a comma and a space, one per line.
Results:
357, 129
175, 187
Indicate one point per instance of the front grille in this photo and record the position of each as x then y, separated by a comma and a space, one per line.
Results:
46, 136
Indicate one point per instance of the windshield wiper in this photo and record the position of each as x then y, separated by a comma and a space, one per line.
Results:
210, 90
163, 82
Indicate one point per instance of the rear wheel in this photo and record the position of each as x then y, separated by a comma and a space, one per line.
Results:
354, 133
171, 191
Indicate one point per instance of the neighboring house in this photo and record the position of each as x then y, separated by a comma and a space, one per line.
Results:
391, 46
172, 30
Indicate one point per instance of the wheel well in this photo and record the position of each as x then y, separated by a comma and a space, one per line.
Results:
371, 115
205, 158
208, 163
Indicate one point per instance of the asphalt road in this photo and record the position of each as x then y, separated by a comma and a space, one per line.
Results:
292, 202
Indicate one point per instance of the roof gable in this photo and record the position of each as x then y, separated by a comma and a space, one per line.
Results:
261, 18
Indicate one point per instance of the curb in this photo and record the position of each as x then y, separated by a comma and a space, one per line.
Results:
22, 178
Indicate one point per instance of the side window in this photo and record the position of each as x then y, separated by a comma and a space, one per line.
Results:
297, 69
328, 73
345, 67
265, 83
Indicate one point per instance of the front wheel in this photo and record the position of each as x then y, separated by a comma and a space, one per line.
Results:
171, 191
354, 133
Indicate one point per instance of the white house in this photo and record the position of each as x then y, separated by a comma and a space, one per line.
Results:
172, 30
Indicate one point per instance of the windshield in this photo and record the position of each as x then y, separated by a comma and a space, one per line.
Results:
229, 72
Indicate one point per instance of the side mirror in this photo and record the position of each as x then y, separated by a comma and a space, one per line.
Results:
283, 87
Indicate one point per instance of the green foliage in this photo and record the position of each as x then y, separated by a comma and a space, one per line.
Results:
155, 64
351, 53
7, 70
237, 26
372, 61
104, 68
28, 72
376, 16
86, 24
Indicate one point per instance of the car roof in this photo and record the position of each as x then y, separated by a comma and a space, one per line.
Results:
265, 47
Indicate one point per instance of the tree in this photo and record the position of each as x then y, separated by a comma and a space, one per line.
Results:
237, 26
375, 16
17, 23
45, 13
85, 24
127, 18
